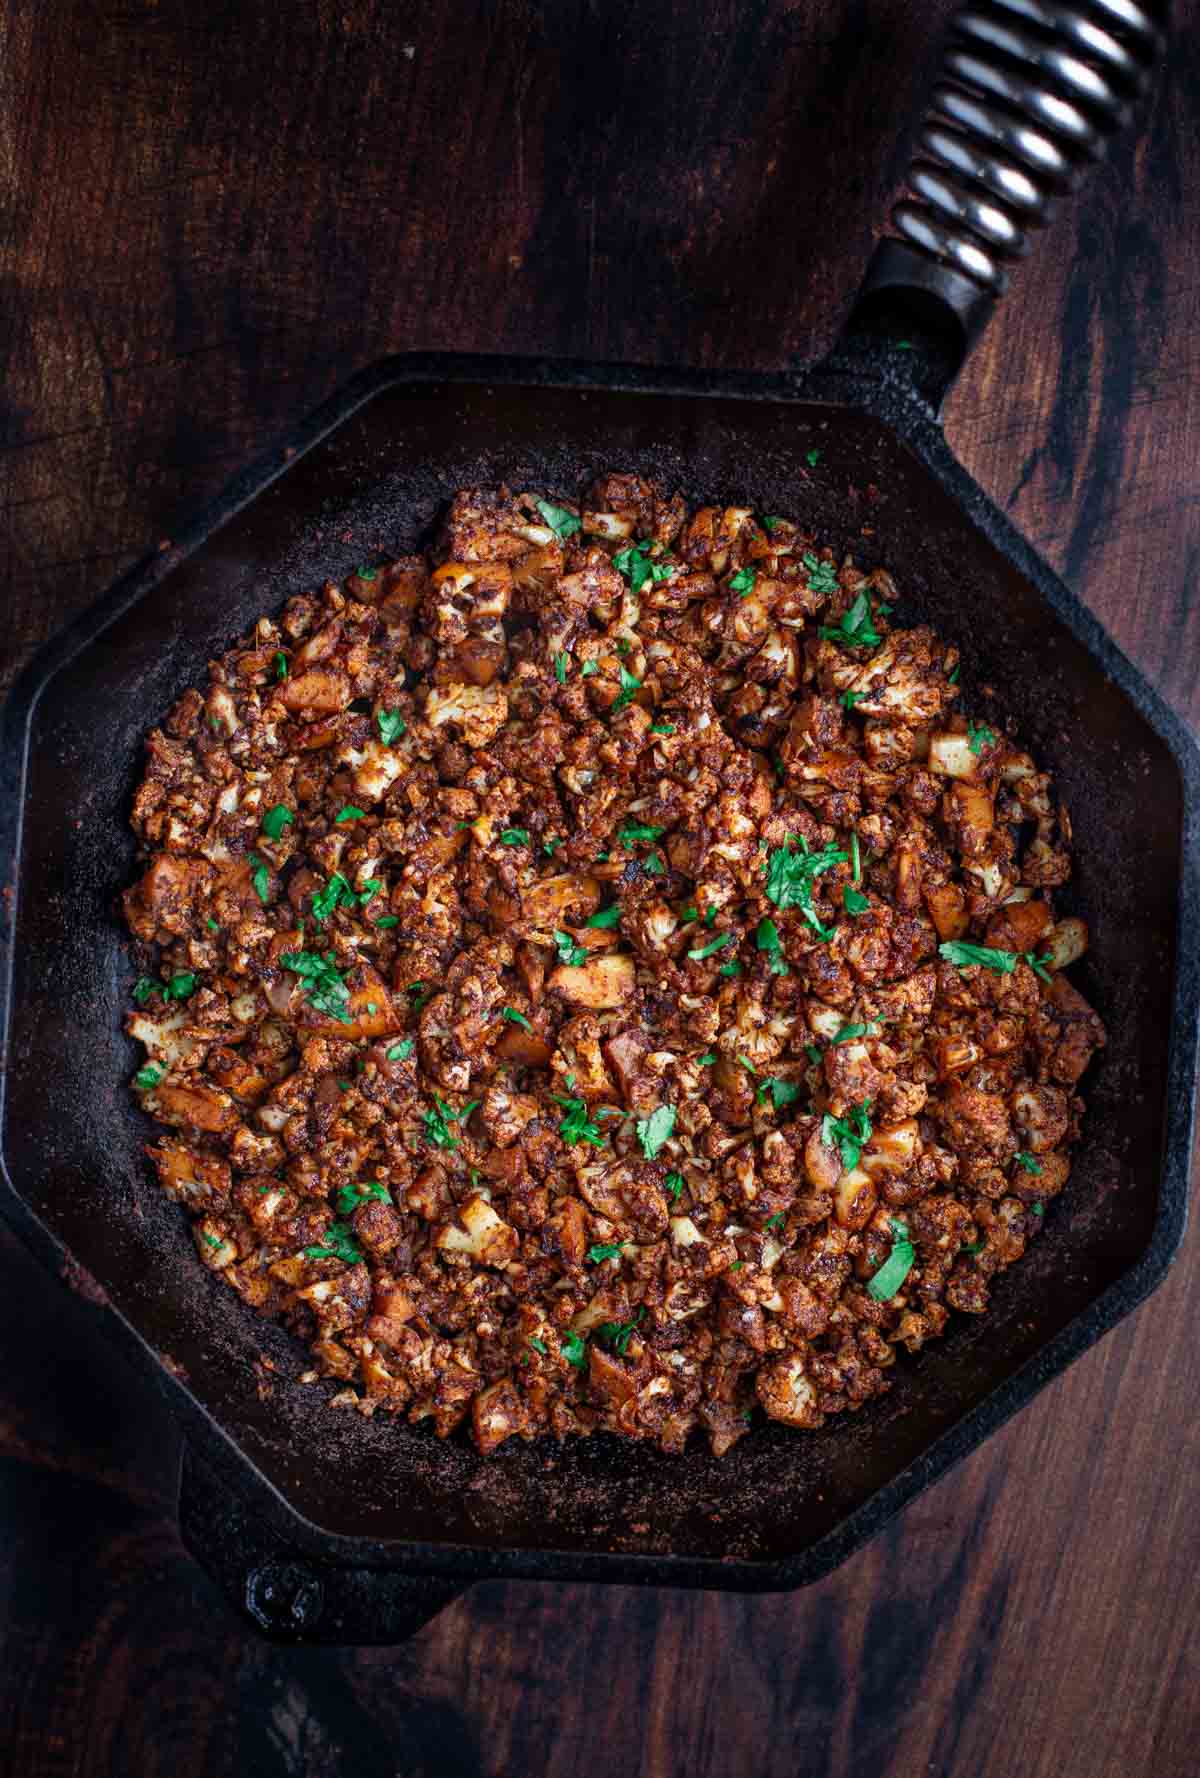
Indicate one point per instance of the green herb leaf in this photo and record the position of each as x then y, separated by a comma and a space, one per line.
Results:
674, 1183
325, 989
856, 628
336, 892
149, 1076
588, 668
638, 831
212, 924
367, 574
662, 728
351, 1196
1038, 965
574, 1350
731, 968
854, 902
619, 1333
717, 944
773, 1221
391, 726
560, 668
400, 1052
766, 937
848, 1033
260, 876
610, 916
812, 1052
563, 523
437, 1122
180, 986
577, 1127
569, 952
515, 1018
280, 664
896, 1267
538, 1345
655, 1130
348, 812
850, 1134
602, 1251
144, 987
388, 920
276, 819
773, 524
822, 576
850, 698
514, 836
782, 1092
742, 582
952, 678
979, 738
812, 458
791, 876
629, 685
1027, 1161
1038, 1208
339, 1244
963, 956
706, 1061
653, 865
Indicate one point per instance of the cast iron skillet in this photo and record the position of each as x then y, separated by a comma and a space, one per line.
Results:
331, 1527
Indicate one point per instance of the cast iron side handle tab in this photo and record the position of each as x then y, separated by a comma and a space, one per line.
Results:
1029, 93
286, 1593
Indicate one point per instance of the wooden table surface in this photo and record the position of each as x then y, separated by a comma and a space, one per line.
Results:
210, 215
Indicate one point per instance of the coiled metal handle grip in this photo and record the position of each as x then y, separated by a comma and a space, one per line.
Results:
1030, 91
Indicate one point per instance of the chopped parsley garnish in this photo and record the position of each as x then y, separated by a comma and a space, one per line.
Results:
276, 819
619, 1333
391, 725
629, 685
767, 939
280, 664
260, 876
560, 668
638, 831
437, 1122
856, 629
515, 1018
209, 1240
716, 944
574, 1350
848, 1033
743, 1062
588, 668
144, 987
742, 582
326, 990
855, 858
964, 955
896, 1267
180, 986
662, 728
388, 920
773, 1221
782, 1092
854, 902
655, 1130
514, 836
577, 1126
812, 1052
850, 1134
351, 1196
538, 1345
336, 892
367, 574
549, 845
602, 1251
653, 865
979, 738
1038, 964
952, 678
401, 1051
610, 916
674, 1183
733, 967
635, 564
822, 576
348, 812
1027, 1161
564, 524
773, 524
791, 875
568, 951
850, 698
812, 458
149, 1076
1038, 1208
212, 924
339, 1244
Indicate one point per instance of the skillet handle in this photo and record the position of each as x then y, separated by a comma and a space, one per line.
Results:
1028, 95
285, 1593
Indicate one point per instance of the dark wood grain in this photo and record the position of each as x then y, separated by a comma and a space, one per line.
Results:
209, 215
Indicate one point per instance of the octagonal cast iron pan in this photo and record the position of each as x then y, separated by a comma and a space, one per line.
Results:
331, 1527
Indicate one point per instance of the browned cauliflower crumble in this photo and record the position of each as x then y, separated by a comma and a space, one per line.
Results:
559, 1015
